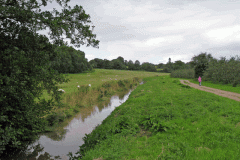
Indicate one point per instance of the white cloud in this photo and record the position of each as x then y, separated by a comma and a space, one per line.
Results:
225, 34
156, 30
163, 41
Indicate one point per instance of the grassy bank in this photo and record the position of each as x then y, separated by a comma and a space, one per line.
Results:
104, 84
164, 119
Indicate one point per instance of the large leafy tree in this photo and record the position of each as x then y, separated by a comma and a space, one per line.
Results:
178, 65
25, 58
118, 64
148, 67
69, 60
131, 65
137, 65
200, 63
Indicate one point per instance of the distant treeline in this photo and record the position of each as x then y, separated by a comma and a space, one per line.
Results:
122, 64
69, 60
66, 59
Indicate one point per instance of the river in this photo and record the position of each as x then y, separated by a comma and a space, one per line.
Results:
68, 136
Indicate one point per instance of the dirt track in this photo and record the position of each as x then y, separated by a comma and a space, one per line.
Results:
231, 95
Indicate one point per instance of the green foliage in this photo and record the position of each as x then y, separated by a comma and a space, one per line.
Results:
26, 64
200, 63
121, 83
178, 65
106, 85
69, 60
183, 73
153, 123
148, 67
52, 119
118, 64
224, 71
137, 65
131, 66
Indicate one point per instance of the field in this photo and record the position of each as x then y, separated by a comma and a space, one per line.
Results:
98, 77
163, 119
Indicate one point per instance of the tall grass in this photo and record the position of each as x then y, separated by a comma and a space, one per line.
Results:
183, 73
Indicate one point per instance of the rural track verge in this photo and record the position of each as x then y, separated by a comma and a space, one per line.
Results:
231, 95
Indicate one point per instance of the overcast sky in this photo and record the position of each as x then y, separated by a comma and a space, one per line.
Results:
153, 31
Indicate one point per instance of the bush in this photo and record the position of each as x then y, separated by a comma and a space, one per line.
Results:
106, 85
52, 119
120, 83
224, 71
183, 73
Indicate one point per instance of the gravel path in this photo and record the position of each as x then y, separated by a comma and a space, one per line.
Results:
231, 95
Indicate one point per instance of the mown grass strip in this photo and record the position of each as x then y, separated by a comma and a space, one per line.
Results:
163, 119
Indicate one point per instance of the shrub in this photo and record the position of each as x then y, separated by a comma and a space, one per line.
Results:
52, 119
106, 85
224, 71
183, 73
120, 83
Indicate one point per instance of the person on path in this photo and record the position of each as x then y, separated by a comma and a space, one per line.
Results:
199, 80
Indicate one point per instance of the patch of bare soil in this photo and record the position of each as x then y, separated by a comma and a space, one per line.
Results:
231, 95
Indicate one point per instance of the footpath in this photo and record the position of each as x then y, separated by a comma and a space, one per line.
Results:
231, 95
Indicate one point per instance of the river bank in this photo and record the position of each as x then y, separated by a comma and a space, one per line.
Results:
164, 119
68, 135
82, 99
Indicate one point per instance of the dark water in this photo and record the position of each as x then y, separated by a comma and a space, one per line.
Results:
68, 137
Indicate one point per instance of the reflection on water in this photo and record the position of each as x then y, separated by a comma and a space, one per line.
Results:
68, 136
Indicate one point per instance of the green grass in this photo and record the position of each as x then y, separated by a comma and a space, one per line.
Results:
163, 119
98, 77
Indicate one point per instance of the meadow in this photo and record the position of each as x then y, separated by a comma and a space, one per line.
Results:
98, 77
164, 119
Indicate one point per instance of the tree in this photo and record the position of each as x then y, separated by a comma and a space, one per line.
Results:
131, 65
137, 65
200, 63
93, 63
160, 65
223, 71
121, 59
125, 62
99, 62
25, 59
117, 64
148, 67
178, 65
168, 67
108, 64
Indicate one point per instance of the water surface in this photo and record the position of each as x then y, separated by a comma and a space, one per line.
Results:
68, 136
